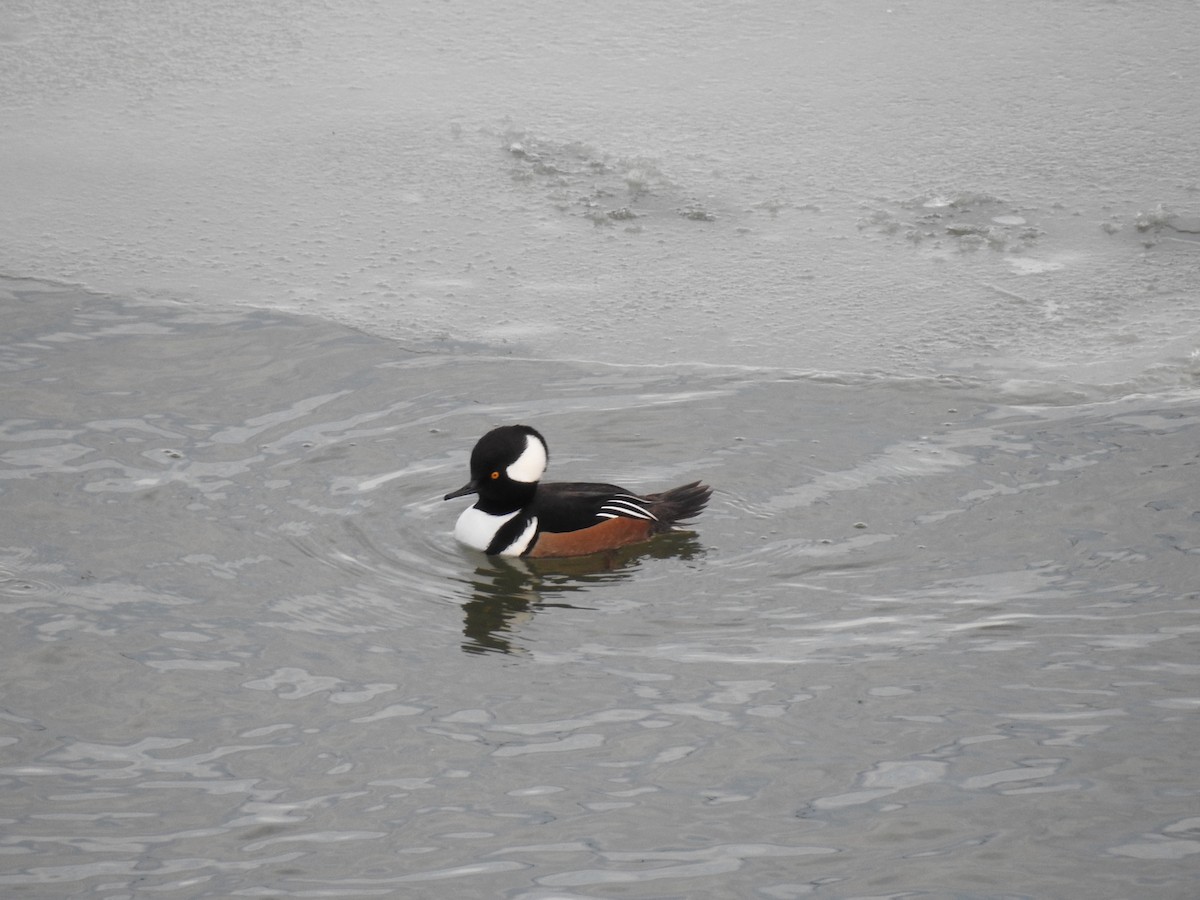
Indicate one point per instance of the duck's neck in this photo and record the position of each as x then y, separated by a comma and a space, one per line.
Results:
515, 495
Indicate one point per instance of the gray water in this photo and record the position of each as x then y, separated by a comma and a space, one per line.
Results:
914, 287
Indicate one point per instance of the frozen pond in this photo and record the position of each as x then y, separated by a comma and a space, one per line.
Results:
914, 286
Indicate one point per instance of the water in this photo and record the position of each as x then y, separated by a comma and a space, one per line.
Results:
914, 287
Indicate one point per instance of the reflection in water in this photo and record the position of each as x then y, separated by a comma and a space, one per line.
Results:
507, 592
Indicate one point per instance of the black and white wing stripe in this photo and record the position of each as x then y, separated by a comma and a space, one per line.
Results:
627, 506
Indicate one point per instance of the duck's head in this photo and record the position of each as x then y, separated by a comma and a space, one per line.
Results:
506, 465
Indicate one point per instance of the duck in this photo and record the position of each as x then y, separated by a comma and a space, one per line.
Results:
519, 515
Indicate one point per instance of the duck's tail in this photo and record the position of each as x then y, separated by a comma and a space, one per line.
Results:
674, 506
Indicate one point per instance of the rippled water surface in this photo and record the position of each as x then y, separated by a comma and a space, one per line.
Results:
918, 641
913, 286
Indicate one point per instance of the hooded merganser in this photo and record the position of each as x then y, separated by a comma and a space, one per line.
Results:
516, 515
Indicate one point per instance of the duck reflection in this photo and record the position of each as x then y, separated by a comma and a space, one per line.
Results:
507, 592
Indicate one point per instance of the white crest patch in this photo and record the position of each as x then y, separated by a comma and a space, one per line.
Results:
531, 464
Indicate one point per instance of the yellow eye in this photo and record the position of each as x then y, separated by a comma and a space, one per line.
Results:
495, 475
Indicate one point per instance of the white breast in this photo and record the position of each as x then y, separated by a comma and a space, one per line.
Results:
475, 528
